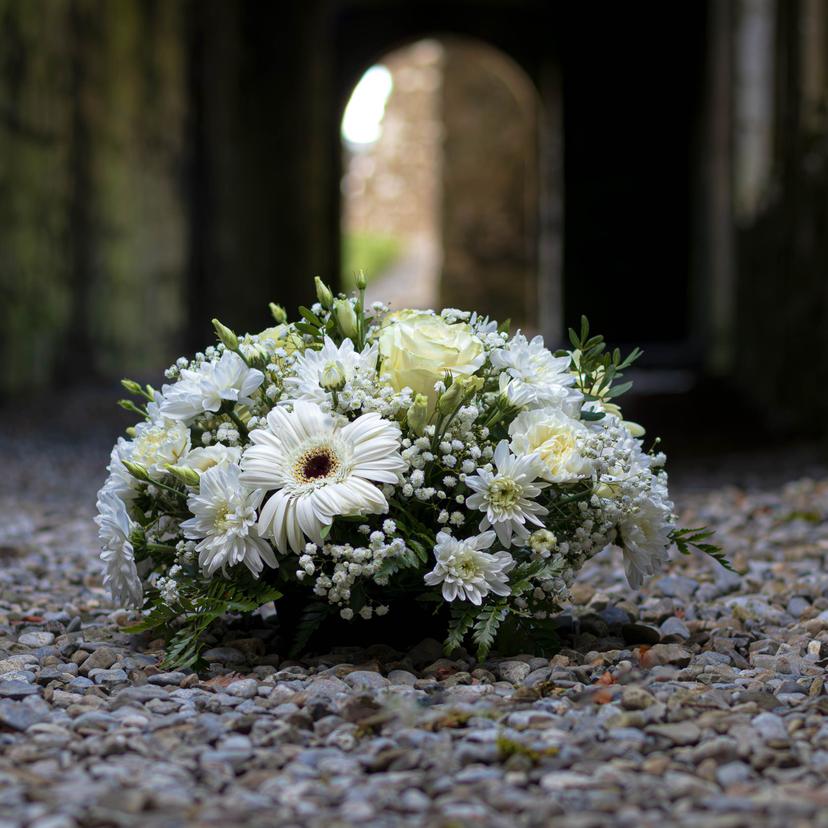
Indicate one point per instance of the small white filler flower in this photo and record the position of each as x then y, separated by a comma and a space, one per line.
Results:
225, 522
468, 573
506, 498
319, 469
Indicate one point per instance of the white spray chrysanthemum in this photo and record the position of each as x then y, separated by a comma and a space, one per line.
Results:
319, 469
315, 371
537, 377
114, 528
208, 387
224, 521
466, 571
506, 497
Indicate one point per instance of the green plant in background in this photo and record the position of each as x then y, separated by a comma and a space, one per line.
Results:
369, 252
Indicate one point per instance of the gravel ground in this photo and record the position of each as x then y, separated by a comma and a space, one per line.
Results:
722, 720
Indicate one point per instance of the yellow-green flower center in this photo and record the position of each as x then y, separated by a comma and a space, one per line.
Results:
503, 493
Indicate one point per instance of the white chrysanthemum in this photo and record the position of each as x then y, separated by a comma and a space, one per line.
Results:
468, 573
159, 443
225, 522
208, 387
319, 469
645, 534
537, 377
507, 497
313, 370
203, 459
114, 528
120, 481
556, 438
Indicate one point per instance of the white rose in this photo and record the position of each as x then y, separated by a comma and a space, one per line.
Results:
160, 444
555, 438
202, 459
418, 349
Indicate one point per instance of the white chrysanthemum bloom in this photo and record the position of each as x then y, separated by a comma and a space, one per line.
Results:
315, 369
319, 469
468, 573
203, 459
645, 534
537, 377
507, 497
207, 388
120, 481
114, 528
225, 522
556, 438
158, 443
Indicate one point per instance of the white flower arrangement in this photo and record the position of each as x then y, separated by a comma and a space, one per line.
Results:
357, 458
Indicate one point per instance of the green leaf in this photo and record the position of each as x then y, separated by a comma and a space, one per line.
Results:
488, 621
461, 622
688, 539
310, 316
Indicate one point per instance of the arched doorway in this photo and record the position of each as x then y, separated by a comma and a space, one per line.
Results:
440, 197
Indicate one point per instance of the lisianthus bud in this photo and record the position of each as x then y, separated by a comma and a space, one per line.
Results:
332, 377
185, 474
361, 281
278, 313
225, 335
132, 386
418, 414
457, 392
136, 470
346, 317
323, 293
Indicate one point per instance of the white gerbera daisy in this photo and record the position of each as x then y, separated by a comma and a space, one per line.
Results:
506, 498
114, 528
537, 377
225, 522
466, 572
319, 469
557, 440
208, 387
314, 370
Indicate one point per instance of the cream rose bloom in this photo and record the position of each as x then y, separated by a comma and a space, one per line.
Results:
555, 438
419, 348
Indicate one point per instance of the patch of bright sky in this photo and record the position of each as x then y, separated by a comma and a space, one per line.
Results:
362, 122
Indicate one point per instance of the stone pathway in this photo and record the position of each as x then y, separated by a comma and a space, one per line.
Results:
721, 721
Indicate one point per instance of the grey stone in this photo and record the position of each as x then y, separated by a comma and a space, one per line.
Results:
36, 639
244, 689
674, 628
15, 689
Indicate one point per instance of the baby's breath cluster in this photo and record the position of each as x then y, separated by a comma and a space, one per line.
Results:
357, 457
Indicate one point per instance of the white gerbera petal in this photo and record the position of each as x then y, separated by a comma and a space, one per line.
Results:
319, 469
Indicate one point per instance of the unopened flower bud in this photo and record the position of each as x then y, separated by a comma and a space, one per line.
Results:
136, 470
185, 474
346, 317
454, 395
323, 293
333, 376
418, 414
361, 281
225, 335
278, 313
132, 386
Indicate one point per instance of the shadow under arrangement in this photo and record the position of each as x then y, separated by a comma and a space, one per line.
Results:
662, 168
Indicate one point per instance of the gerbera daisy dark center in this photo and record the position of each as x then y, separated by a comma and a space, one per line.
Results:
317, 464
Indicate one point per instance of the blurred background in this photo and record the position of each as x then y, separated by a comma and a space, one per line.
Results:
660, 167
